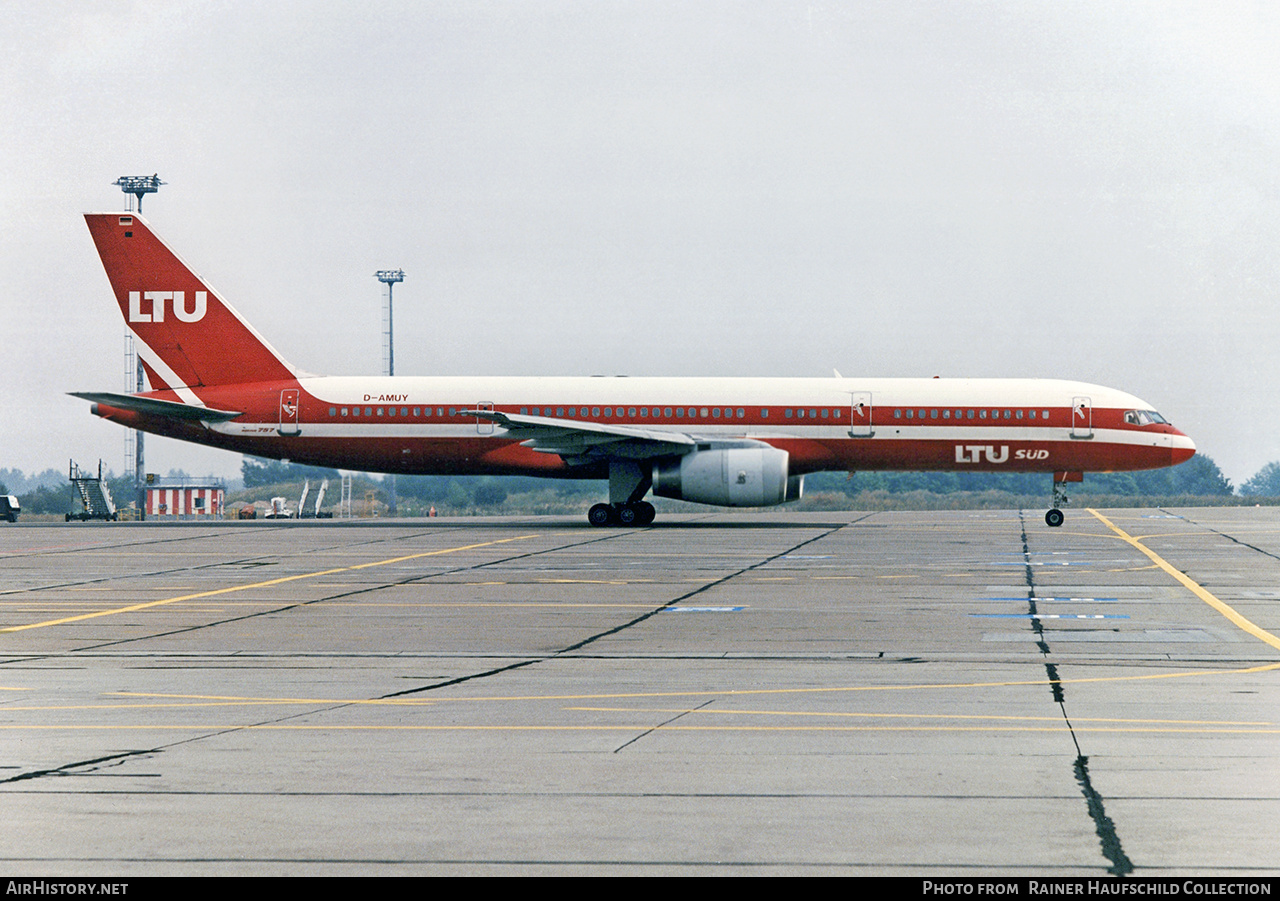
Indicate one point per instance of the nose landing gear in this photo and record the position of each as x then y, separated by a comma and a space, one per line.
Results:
1054, 517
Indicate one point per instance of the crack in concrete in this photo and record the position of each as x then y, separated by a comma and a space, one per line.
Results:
1103, 825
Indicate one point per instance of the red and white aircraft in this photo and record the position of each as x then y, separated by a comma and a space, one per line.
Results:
735, 442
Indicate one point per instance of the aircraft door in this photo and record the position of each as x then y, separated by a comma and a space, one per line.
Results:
1081, 417
860, 415
484, 426
289, 424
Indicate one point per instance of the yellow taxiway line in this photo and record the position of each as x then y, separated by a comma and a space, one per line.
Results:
219, 591
1194, 587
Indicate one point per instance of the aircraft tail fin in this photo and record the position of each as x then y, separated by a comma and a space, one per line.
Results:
187, 335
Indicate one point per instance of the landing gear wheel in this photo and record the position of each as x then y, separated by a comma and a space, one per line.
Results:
1054, 518
601, 515
640, 513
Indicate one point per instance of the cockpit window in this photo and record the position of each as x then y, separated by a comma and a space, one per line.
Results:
1144, 417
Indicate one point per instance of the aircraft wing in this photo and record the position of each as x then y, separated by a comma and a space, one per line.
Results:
152, 406
579, 441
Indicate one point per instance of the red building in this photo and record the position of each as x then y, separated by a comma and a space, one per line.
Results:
185, 500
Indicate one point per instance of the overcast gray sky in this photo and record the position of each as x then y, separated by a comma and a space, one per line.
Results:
1082, 190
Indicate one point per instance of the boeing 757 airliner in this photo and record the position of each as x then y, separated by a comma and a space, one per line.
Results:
736, 442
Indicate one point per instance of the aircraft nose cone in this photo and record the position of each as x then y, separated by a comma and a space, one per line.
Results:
1181, 448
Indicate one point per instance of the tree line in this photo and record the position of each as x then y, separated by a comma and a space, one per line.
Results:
50, 492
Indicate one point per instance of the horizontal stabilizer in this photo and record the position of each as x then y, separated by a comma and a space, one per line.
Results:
156, 407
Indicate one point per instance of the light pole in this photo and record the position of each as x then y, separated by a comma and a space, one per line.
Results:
139, 186
390, 278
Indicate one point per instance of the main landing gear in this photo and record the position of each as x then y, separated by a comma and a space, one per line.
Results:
640, 513
629, 481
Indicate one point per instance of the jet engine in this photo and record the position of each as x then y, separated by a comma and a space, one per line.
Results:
728, 477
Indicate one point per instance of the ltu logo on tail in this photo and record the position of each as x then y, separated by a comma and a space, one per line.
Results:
155, 301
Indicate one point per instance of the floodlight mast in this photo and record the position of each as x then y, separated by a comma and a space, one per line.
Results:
390, 277
139, 185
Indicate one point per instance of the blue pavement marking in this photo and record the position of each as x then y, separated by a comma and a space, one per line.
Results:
1043, 553
702, 609
1051, 615
1038, 598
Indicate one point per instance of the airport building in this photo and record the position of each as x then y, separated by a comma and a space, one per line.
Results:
185, 499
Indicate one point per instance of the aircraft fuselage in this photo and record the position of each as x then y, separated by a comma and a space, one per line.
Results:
425, 425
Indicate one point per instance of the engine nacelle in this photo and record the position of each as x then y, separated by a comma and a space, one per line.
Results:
728, 477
